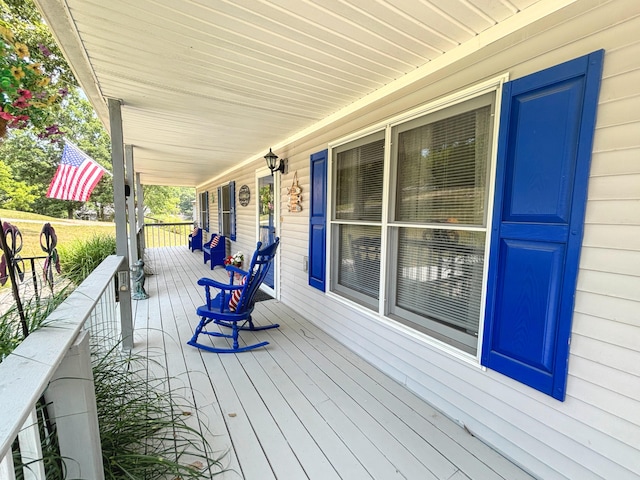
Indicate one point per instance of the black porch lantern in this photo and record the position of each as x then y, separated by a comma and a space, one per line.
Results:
271, 159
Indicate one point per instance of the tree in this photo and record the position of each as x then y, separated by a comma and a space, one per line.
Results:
34, 161
161, 200
14, 195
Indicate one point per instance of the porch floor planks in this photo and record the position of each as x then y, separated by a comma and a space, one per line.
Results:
343, 409
409, 452
304, 406
448, 438
168, 307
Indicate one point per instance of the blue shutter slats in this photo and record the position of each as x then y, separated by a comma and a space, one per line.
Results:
544, 151
318, 220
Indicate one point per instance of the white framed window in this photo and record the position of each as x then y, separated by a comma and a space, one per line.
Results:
409, 218
203, 201
227, 210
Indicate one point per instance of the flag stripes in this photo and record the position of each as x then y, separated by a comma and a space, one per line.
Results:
76, 176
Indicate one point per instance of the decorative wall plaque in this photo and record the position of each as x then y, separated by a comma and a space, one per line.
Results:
295, 195
244, 195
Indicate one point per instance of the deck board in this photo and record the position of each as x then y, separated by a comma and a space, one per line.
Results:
304, 407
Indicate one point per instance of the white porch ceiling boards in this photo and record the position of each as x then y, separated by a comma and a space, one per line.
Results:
208, 84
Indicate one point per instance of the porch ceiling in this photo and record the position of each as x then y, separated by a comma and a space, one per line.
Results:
208, 84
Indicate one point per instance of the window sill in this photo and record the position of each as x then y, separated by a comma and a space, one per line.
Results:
420, 337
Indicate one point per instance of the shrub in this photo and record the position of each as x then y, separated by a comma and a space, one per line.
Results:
80, 258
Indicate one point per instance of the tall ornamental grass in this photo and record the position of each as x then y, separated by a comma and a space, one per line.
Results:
144, 428
81, 257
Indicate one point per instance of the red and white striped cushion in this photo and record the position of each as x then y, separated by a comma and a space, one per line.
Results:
195, 231
214, 241
235, 296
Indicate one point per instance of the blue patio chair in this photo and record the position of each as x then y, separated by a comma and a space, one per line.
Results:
233, 304
195, 239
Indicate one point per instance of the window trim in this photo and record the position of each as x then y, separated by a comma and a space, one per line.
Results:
204, 210
231, 235
383, 311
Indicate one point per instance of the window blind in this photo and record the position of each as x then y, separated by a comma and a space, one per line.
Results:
439, 276
359, 175
442, 170
359, 259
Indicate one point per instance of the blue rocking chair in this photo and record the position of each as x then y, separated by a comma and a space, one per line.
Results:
232, 309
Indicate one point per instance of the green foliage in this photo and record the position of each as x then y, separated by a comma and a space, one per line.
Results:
168, 200
187, 197
30, 29
34, 162
143, 427
161, 200
78, 259
35, 311
14, 194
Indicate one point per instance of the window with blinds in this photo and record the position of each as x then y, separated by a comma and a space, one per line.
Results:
359, 175
225, 209
204, 210
442, 164
435, 220
359, 172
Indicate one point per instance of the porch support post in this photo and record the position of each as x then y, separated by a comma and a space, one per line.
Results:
140, 215
72, 398
117, 160
131, 207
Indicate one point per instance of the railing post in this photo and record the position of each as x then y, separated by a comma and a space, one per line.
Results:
72, 396
31, 449
7, 469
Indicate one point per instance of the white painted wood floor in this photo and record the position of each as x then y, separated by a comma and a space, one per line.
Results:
302, 407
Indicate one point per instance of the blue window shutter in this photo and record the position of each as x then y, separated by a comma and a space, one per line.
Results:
232, 210
544, 152
318, 220
220, 215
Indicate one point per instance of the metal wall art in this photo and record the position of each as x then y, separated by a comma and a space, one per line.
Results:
244, 195
295, 195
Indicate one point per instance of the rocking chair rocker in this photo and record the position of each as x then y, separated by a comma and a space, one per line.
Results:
233, 305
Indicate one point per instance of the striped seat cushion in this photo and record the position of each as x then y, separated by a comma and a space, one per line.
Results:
235, 296
214, 241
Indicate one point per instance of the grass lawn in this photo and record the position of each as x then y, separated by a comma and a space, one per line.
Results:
30, 225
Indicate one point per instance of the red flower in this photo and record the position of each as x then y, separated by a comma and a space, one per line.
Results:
21, 102
24, 93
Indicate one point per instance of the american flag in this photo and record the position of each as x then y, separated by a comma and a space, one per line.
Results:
76, 177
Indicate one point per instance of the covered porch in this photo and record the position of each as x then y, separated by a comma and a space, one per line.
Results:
305, 406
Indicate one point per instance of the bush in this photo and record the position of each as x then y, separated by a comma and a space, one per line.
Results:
80, 258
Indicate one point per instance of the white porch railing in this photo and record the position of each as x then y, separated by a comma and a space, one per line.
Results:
167, 234
54, 361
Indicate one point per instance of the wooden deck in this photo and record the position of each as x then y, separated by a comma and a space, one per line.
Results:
304, 406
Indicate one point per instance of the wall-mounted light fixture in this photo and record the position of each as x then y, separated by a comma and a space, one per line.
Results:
271, 159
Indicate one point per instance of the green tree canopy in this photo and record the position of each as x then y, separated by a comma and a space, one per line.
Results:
14, 195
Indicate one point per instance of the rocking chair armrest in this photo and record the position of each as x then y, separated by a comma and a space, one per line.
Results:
209, 282
234, 269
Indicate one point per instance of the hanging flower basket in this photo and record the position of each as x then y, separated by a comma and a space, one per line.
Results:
27, 92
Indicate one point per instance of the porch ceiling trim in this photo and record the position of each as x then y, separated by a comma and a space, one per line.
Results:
247, 109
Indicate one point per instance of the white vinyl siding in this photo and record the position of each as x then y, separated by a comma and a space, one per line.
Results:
595, 433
